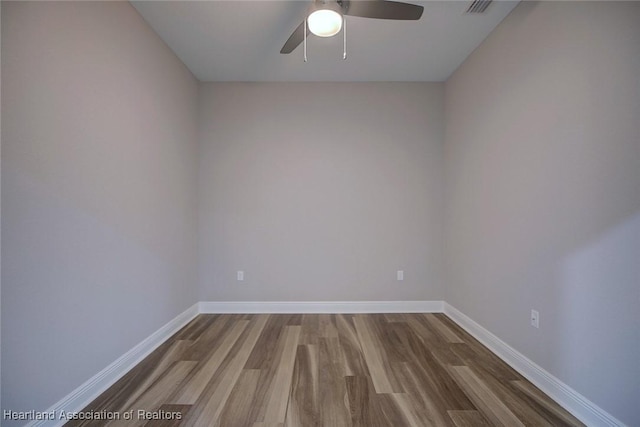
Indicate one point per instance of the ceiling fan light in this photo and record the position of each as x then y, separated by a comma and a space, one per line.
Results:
325, 22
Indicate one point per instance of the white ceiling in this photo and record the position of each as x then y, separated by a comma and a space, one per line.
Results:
241, 40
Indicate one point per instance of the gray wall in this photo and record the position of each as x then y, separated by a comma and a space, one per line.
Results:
321, 191
543, 192
98, 192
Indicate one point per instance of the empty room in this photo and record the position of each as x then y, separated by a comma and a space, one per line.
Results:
320, 213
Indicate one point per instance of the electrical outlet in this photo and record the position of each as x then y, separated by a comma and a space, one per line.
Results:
400, 275
240, 275
535, 319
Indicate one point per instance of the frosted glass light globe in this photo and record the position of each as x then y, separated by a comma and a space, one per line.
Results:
325, 22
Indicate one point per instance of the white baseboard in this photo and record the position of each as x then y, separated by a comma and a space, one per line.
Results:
581, 407
92, 388
321, 307
96, 385
574, 402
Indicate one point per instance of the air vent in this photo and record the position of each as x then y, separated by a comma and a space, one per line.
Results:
478, 6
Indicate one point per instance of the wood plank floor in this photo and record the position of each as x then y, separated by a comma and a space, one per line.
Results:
363, 370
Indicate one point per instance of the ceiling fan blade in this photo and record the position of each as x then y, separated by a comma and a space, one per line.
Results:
382, 9
294, 39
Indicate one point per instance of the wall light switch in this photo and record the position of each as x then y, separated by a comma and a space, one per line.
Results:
240, 275
400, 275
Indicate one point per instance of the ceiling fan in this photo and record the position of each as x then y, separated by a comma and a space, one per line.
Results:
324, 18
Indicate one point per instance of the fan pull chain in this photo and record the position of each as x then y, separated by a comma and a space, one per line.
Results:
344, 38
305, 41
